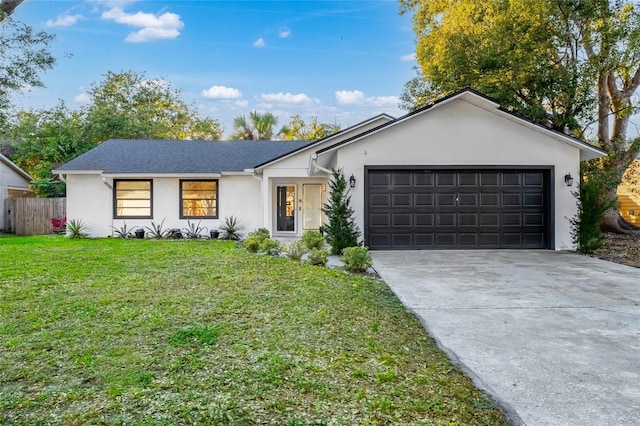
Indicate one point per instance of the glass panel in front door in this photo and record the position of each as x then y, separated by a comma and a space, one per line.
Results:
311, 206
286, 208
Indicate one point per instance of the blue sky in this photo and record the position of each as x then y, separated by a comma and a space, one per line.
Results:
342, 61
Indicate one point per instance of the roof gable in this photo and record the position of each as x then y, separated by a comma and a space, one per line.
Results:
335, 136
13, 166
480, 100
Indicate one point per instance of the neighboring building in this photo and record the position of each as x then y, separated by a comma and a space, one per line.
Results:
629, 199
461, 173
14, 183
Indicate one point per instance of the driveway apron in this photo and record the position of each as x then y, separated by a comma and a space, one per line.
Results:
553, 337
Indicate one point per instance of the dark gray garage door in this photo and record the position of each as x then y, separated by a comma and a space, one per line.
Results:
457, 209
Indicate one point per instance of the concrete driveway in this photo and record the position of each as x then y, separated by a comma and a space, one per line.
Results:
554, 337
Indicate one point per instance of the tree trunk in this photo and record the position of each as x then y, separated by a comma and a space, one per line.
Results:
7, 7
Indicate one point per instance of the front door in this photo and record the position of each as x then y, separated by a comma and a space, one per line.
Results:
311, 206
286, 208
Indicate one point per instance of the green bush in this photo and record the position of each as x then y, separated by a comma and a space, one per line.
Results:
252, 243
296, 250
269, 244
318, 257
313, 239
259, 241
586, 232
77, 229
356, 259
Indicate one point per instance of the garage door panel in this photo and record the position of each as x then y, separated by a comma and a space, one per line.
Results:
380, 200
447, 199
423, 200
380, 180
402, 200
424, 219
534, 199
423, 179
402, 219
380, 219
467, 180
400, 179
512, 200
431, 209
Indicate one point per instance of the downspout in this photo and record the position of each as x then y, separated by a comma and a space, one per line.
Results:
63, 177
104, 180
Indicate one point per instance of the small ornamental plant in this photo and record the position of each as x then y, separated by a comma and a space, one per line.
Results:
59, 225
356, 259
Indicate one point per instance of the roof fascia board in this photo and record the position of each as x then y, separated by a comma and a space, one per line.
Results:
161, 175
76, 172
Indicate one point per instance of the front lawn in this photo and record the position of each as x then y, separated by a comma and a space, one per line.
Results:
175, 332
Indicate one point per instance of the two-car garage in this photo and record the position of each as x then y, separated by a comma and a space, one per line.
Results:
458, 208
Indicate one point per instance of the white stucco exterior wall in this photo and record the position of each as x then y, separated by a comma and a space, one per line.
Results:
90, 200
461, 134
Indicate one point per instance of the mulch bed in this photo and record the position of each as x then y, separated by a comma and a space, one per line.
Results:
621, 248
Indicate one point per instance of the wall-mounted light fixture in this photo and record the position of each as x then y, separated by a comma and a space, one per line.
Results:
352, 181
568, 179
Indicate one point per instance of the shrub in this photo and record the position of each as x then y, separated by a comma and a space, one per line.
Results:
269, 244
123, 231
231, 228
259, 241
158, 231
341, 231
356, 259
296, 250
313, 239
59, 225
586, 232
319, 257
192, 230
76, 229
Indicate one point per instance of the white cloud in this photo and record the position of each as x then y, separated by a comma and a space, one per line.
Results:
288, 98
64, 21
242, 103
349, 97
356, 97
259, 43
221, 92
284, 32
154, 27
82, 98
409, 57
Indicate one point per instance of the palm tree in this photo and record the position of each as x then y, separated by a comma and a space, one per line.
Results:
260, 126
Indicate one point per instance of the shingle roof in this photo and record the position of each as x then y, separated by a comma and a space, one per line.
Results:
147, 156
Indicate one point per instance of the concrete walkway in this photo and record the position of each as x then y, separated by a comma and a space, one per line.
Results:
554, 337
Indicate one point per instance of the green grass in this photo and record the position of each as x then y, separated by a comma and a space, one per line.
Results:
176, 332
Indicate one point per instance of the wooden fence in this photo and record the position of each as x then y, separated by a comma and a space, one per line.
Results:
32, 216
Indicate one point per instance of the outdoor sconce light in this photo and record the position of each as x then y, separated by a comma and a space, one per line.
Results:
568, 179
352, 181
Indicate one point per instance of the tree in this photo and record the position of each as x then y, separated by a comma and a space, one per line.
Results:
45, 139
259, 127
568, 64
298, 129
128, 105
341, 231
7, 7
24, 55
124, 105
